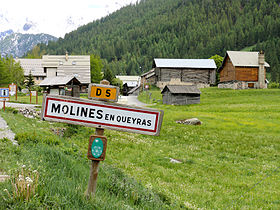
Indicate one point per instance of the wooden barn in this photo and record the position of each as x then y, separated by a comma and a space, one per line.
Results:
149, 77
243, 70
180, 94
199, 72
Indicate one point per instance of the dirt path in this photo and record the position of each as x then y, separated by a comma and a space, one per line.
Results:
131, 100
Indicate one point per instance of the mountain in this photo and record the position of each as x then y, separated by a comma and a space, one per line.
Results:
17, 44
4, 34
129, 39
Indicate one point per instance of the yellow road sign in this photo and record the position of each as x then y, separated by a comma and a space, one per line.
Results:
103, 92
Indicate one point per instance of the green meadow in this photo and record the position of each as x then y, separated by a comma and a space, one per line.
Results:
231, 161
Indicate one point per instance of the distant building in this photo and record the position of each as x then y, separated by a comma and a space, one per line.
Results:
200, 72
65, 65
129, 83
33, 66
243, 70
67, 85
58, 66
180, 94
149, 77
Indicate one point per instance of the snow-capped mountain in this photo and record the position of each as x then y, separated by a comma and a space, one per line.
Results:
18, 37
4, 34
17, 44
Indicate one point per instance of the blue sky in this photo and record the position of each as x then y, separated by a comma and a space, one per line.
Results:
55, 17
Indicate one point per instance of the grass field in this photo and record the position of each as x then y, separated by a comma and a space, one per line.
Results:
231, 161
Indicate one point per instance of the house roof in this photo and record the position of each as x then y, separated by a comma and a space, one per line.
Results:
128, 78
33, 66
148, 74
52, 81
184, 63
69, 65
245, 59
192, 89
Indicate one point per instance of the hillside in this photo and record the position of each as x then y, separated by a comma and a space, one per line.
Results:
131, 37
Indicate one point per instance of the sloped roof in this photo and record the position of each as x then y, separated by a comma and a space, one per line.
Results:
128, 78
192, 89
245, 59
149, 74
51, 81
69, 65
184, 63
33, 66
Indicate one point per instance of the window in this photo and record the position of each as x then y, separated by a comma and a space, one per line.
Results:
251, 85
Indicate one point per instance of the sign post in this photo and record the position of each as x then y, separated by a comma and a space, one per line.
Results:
4, 96
101, 114
13, 89
34, 93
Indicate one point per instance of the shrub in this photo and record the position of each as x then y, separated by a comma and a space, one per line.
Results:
11, 109
273, 85
34, 137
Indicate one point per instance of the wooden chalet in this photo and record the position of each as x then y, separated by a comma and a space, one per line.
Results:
68, 85
180, 94
243, 70
200, 72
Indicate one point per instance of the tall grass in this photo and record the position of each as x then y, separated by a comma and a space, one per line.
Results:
231, 161
64, 172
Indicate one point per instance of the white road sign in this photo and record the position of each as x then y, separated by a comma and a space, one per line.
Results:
101, 114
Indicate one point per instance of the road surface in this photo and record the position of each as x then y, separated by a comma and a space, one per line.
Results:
130, 100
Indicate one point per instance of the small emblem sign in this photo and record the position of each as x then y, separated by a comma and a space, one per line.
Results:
97, 147
4, 94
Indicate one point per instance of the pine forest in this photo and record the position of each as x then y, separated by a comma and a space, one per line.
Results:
129, 39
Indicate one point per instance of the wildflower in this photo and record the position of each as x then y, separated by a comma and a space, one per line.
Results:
28, 179
20, 178
23, 166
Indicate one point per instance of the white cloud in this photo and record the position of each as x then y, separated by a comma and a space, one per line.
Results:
55, 17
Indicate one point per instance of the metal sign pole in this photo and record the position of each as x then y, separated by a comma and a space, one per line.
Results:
4, 105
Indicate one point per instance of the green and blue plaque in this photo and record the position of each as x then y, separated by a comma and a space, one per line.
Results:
97, 147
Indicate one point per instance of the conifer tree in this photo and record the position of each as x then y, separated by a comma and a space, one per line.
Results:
29, 83
95, 68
